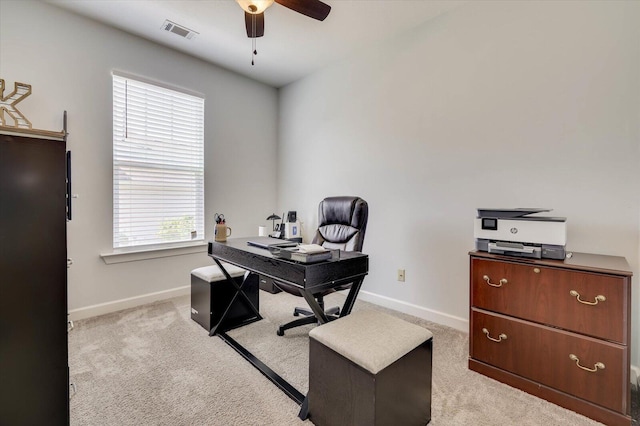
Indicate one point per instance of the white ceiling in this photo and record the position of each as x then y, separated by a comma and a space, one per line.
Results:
293, 45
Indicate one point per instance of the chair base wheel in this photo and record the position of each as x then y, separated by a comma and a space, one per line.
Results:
280, 332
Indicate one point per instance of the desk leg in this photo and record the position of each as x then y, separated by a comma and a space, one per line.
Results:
217, 328
289, 390
351, 297
346, 308
304, 409
315, 307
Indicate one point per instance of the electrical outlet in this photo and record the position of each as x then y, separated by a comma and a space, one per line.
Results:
401, 275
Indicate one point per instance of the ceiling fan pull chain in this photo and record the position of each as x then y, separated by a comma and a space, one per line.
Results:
253, 39
254, 53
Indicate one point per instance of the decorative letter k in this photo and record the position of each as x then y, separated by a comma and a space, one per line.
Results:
7, 105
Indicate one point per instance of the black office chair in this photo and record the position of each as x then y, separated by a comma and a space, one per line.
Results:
342, 222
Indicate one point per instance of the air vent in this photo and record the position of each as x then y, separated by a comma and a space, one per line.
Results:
184, 32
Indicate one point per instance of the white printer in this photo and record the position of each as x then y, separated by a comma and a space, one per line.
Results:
519, 232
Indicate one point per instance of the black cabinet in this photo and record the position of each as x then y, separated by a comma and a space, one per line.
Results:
34, 374
268, 284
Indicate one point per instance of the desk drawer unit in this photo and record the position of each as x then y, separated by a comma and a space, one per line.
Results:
557, 329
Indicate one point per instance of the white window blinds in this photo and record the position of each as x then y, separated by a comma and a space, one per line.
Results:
158, 165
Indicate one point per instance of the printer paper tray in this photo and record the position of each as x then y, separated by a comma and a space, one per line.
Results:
515, 249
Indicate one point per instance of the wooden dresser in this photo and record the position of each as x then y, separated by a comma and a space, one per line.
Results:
560, 330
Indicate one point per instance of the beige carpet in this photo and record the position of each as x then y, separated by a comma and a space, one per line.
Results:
153, 365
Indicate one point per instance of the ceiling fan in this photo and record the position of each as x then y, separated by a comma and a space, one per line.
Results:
254, 13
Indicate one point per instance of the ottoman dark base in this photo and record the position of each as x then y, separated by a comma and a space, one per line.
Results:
210, 299
343, 393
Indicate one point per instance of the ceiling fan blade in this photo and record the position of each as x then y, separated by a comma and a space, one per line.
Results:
249, 20
312, 8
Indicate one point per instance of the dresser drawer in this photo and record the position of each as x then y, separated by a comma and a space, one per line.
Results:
552, 357
589, 303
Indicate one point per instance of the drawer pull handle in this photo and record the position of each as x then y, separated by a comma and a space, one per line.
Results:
599, 298
499, 339
488, 280
596, 366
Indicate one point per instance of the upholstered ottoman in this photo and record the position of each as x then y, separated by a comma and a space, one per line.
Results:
211, 295
369, 368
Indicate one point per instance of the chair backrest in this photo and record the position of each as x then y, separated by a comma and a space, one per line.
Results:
342, 222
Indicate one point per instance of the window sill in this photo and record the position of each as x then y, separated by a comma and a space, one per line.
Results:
136, 254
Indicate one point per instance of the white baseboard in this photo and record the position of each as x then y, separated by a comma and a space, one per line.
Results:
458, 323
131, 302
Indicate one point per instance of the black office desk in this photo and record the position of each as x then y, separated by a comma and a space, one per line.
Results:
309, 278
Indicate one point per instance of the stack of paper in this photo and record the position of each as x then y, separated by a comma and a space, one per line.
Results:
311, 248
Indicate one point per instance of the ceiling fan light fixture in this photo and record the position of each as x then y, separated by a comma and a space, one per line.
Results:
254, 7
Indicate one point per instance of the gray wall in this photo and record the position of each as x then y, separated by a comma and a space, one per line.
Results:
68, 60
496, 104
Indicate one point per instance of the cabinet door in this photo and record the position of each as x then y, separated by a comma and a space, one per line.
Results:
588, 303
553, 357
34, 380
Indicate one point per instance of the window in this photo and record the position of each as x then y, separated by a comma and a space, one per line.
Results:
158, 165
